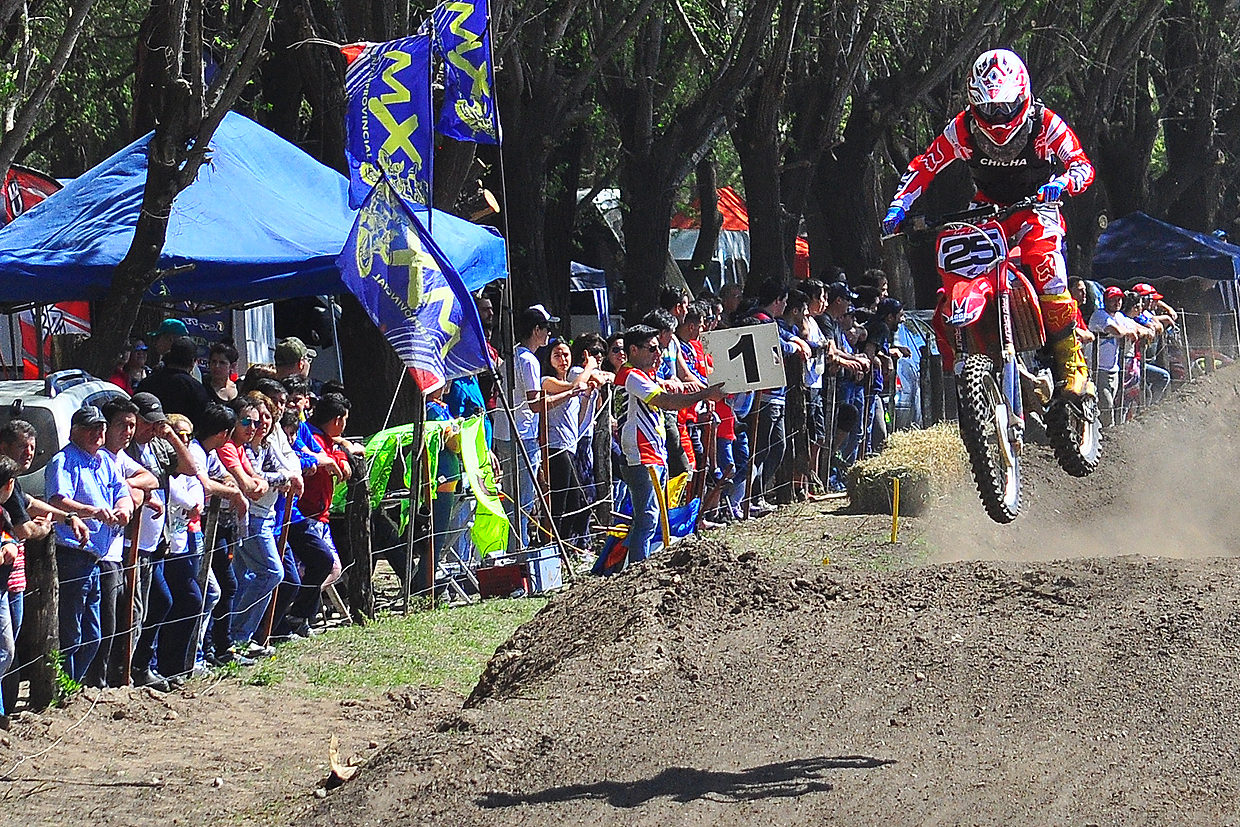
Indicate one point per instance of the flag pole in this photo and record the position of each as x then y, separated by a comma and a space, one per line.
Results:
506, 341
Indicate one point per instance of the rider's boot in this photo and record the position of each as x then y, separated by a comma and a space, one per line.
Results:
1059, 316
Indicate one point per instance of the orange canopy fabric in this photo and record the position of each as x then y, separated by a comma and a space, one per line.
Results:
736, 217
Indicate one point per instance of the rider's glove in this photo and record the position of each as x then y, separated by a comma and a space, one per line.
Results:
891, 222
1050, 191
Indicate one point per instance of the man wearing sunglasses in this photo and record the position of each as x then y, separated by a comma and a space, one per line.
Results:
642, 434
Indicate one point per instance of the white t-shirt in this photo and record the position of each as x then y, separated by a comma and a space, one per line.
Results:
1108, 344
816, 367
527, 376
562, 422
152, 526
185, 493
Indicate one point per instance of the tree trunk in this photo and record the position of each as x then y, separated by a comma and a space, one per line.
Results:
138, 270
647, 227
710, 225
453, 161
365, 352
757, 145
526, 201
846, 196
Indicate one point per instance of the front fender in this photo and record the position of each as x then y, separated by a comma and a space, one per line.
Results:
967, 301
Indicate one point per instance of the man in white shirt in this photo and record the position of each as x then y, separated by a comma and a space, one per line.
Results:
1113, 329
108, 666
533, 330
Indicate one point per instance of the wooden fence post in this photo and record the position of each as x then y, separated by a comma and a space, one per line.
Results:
359, 585
41, 625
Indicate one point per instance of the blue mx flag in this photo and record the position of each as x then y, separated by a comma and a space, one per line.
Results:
389, 122
463, 41
411, 291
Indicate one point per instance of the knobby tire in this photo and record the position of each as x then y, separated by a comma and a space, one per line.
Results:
977, 430
1075, 437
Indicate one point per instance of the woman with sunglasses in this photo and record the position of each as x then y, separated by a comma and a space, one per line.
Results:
565, 391
256, 564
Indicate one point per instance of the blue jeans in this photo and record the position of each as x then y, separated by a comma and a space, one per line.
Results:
175, 638
78, 573
641, 539
740, 455
151, 606
8, 641
259, 570
1156, 381
17, 609
311, 541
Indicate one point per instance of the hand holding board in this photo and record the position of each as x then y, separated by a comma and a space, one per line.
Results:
746, 358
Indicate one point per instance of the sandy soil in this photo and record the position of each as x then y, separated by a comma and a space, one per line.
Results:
220, 753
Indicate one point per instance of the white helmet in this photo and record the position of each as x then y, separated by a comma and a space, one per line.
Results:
999, 97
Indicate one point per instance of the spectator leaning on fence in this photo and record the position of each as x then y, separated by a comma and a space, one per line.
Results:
82, 480
1113, 329
532, 329
769, 446
8, 558
108, 667
642, 435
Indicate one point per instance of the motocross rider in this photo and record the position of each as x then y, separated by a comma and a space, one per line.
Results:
1010, 142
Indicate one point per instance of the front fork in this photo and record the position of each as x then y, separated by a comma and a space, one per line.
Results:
1010, 374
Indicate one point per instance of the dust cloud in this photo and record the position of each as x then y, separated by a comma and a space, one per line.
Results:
1166, 487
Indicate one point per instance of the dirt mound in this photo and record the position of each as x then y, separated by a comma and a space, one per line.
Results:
649, 620
717, 686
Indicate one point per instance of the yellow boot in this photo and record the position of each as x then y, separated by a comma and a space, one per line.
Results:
1059, 317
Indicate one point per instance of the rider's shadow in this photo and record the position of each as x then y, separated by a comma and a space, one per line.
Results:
683, 784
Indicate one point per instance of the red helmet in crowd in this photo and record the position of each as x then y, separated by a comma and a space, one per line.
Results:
999, 95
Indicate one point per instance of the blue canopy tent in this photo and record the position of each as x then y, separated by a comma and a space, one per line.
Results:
263, 220
1140, 248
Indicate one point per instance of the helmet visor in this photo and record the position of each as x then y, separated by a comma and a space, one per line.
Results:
998, 114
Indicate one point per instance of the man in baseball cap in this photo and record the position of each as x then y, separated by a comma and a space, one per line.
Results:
162, 337
150, 409
293, 358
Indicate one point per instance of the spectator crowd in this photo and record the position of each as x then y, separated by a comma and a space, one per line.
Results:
128, 497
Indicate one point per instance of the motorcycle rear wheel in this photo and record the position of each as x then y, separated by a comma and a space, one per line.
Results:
1074, 431
984, 430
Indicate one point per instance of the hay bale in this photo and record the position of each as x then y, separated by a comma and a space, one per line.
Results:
927, 462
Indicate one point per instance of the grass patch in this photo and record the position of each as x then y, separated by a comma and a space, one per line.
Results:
445, 648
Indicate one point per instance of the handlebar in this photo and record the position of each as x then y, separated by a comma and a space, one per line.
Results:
926, 224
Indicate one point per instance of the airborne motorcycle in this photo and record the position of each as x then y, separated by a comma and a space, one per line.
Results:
989, 327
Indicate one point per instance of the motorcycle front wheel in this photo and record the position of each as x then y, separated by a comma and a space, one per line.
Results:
984, 428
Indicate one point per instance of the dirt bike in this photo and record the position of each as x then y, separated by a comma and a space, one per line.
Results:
988, 313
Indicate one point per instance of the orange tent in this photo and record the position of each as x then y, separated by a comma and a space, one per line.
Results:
736, 217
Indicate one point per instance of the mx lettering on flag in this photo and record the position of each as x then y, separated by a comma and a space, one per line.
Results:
389, 122
411, 291
463, 41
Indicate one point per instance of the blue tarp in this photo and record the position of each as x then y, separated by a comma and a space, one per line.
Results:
263, 220
1140, 248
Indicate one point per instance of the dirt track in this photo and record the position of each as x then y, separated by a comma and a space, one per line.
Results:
722, 686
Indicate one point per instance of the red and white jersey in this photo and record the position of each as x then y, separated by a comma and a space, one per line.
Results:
1003, 181
641, 434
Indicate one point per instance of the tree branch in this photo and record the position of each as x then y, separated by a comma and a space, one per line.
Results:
16, 136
